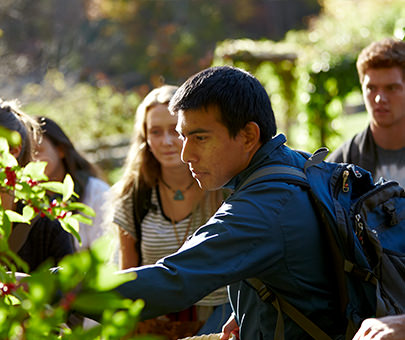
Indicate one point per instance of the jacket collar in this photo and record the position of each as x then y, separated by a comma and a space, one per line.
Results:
257, 161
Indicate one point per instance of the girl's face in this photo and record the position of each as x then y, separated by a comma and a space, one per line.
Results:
162, 137
47, 152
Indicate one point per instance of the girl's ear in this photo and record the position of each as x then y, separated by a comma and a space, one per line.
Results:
15, 151
60, 151
251, 135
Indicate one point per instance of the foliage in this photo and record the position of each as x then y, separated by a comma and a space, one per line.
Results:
320, 65
41, 305
87, 113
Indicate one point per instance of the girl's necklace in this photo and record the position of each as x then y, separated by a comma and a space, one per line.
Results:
186, 232
178, 194
173, 223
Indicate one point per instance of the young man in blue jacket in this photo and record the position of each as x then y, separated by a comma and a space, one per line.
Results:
266, 229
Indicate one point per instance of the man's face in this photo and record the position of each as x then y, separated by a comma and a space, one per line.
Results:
212, 155
384, 96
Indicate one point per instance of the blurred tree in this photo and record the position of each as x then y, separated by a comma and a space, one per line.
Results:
132, 41
176, 38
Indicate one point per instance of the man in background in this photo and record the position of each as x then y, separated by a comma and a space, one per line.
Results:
380, 148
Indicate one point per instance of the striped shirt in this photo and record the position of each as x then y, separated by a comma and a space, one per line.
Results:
159, 237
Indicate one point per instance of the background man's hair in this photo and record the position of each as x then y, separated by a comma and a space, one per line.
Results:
381, 54
238, 95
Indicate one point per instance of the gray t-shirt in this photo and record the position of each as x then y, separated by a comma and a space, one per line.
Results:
391, 165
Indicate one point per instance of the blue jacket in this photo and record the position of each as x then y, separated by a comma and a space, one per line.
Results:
266, 230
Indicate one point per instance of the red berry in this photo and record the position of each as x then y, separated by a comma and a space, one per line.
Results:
62, 215
67, 301
11, 177
31, 182
7, 288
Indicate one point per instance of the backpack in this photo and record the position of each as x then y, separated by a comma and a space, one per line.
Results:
363, 225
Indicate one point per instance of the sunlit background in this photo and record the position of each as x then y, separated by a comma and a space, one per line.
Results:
87, 63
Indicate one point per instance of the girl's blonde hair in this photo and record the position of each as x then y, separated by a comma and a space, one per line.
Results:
141, 164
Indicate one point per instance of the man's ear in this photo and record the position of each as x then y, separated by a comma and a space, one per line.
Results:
251, 135
15, 151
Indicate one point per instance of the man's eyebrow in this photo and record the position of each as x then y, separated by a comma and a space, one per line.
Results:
193, 132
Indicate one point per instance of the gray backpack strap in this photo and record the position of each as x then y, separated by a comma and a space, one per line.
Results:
317, 157
282, 306
274, 170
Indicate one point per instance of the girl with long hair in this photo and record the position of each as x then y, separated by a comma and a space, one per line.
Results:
63, 158
43, 239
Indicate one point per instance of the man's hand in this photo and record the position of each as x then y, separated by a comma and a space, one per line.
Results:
386, 328
230, 328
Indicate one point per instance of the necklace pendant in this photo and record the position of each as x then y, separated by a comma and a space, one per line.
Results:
178, 196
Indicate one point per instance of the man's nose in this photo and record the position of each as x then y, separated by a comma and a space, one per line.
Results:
380, 97
185, 152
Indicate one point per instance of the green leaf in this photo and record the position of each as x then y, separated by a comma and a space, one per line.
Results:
28, 212
82, 219
16, 217
9, 160
82, 208
4, 146
18, 261
13, 138
99, 249
36, 170
5, 224
42, 284
107, 279
55, 187
71, 225
97, 302
68, 187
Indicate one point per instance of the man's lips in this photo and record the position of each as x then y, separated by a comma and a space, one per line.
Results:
381, 110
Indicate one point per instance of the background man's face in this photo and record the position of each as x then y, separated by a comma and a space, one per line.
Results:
384, 96
212, 155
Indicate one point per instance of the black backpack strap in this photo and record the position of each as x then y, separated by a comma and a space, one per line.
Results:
141, 202
296, 176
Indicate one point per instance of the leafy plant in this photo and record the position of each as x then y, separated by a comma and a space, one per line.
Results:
42, 304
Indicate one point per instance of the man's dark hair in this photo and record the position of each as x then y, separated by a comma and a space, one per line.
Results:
238, 95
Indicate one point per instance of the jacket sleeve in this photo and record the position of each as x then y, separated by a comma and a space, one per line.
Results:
243, 239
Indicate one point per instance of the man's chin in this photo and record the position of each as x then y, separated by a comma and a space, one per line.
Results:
208, 187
